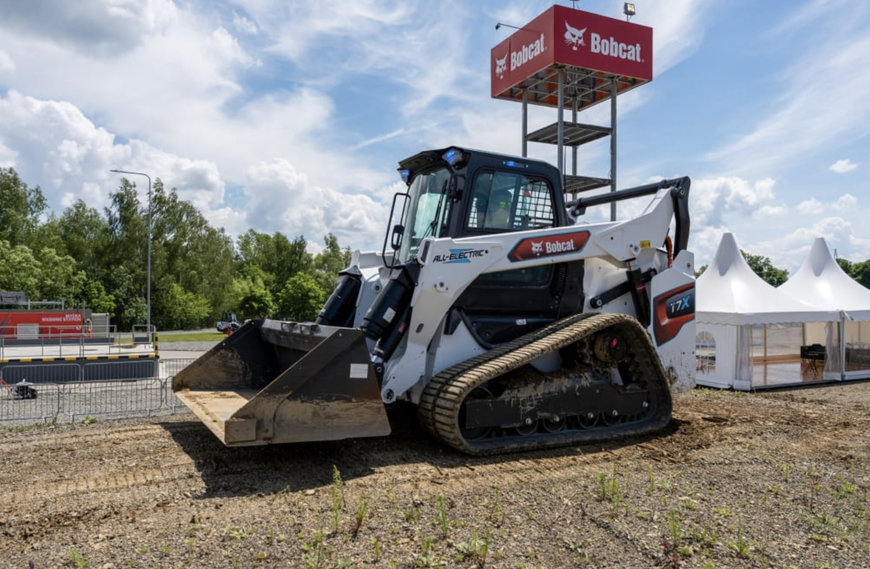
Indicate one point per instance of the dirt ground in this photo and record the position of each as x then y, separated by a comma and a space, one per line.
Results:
776, 479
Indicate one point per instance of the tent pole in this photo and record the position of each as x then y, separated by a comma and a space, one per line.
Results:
842, 347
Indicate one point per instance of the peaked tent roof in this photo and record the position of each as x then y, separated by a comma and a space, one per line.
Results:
822, 283
729, 292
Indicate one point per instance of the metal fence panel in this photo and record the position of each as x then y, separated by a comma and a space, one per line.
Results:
120, 370
44, 409
106, 398
42, 372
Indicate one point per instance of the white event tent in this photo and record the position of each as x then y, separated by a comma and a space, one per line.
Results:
746, 328
822, 283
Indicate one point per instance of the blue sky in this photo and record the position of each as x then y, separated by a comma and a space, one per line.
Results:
291, 116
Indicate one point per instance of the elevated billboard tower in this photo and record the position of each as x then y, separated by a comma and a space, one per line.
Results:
571, 60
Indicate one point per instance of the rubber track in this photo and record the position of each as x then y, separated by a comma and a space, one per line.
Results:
442, 398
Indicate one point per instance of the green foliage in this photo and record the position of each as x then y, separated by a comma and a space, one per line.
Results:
858, 271
19, 269
22, 206
329, 262
257, 303
78, 559
95, 297
59, 279
99, 260
185, 310
301, 298
763, 267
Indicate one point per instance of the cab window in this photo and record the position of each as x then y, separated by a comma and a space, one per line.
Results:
509, 201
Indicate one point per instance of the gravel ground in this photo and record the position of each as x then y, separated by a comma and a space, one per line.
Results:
778, 479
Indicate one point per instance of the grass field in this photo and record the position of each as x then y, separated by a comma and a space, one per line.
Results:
192, 337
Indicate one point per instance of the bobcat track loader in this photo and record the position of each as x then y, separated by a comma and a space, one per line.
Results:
509, 322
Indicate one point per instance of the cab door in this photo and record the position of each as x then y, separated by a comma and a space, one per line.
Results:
498, 307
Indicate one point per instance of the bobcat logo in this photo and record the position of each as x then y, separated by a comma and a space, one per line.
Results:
537, 248
501, 66
574, 37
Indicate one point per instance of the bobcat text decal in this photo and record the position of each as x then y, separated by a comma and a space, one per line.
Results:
549, 246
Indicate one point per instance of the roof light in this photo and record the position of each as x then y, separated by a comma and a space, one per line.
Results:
405, 174
453, 156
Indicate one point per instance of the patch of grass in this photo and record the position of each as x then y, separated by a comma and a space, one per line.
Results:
496, 515
237, 533
314, 552
740, 545
441, 518
193, 337
360, 517
609, 489
426, 558
337, 492
476, 549
78, 559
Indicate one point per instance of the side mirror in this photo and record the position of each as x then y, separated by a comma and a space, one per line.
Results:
396, 237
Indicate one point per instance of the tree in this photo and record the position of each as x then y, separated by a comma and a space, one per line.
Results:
277, 257
95, 297
861, 272
19, 269
329, 262
125, 256
301, 298
59, 279
84, 235
185, 309
763, 267
188, 252
257, 303
21, 208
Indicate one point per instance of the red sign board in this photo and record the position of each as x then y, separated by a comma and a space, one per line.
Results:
567, 37
48, 324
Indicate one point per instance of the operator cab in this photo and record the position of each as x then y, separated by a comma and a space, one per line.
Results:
456, 192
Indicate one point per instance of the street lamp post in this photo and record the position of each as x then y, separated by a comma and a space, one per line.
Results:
148, 298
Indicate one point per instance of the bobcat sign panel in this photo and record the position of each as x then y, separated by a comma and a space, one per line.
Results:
575, 39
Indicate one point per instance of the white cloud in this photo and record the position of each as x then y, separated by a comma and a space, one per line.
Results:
678, 31
283, 198
62, 147
811, 206
226, 47
90, 27
842, 166
244, 26
7, 65
788, 251
713, 198
845, 204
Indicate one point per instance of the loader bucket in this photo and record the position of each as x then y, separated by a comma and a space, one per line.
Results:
281, 382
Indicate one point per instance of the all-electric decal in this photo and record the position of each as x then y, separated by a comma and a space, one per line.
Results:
460, 256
